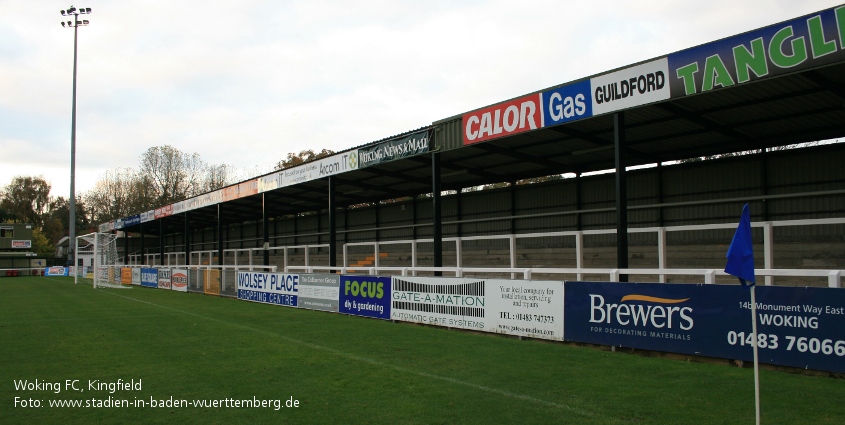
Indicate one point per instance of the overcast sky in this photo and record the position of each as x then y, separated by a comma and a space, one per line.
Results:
246, 82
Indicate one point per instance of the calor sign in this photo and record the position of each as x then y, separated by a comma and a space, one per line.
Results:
511, 117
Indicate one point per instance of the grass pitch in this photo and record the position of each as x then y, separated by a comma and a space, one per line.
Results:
343, 369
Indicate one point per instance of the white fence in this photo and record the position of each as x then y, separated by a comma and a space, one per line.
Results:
255, 255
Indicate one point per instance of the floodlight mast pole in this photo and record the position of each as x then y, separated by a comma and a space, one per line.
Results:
76, 23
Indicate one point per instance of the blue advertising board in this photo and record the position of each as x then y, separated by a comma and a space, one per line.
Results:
132, 220
55, 271
269, 288
799, 327
367, 296
149, 277
807, 42
568, 103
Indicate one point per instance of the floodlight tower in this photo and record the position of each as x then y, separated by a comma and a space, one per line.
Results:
75, 24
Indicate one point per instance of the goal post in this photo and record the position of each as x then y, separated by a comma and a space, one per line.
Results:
98, 252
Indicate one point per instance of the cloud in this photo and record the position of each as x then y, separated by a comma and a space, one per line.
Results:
244, 83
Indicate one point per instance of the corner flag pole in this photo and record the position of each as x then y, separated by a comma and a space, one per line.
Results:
741, 264
756, 364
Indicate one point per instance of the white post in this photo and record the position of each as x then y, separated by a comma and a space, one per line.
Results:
710, 277
579, 253
661, 252
376, 252
768, 251
754, 345
414, 257
96, 261
833, 279
512, 241
75, 259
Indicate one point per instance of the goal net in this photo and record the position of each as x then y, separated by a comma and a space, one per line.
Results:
99, 261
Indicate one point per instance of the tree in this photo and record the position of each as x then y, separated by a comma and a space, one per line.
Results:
40, 244
55, 221
4, 215
112, 194
26, 199
175, 175
166, 175
218, 177
294, 159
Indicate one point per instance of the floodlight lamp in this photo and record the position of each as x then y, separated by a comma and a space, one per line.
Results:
88, 10
63, 13
63, 23
85, 22
71, 10
69, 23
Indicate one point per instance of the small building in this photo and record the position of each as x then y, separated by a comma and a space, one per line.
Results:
16, 237
16, 246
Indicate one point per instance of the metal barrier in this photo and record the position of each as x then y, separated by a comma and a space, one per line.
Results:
218, 280
612, 275
579, 271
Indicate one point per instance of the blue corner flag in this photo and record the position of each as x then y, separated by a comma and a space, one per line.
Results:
741, 252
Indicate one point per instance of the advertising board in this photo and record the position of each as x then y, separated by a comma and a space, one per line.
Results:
810, 41
240, 190
503, 119
132, 220
147, 216
163, 211
319, 291
271, 182
799, 327
269, 288
367, 296
165, 278
19, 243
55, 271
149, 277
531, 308
179, 280
528, 308
391, 150
452, 302
126, 275
568, 103
629, 87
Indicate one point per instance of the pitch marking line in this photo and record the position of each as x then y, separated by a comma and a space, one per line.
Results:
375, 362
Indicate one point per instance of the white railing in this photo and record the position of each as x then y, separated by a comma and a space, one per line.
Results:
709, 275
768, 272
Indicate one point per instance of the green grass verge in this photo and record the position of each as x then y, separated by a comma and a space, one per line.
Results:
345, 369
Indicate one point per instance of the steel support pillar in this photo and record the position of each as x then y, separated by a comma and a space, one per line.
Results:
621, 194
332, 225
437, 216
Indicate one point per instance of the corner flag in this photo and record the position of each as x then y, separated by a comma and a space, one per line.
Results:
741, 252
741, 264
